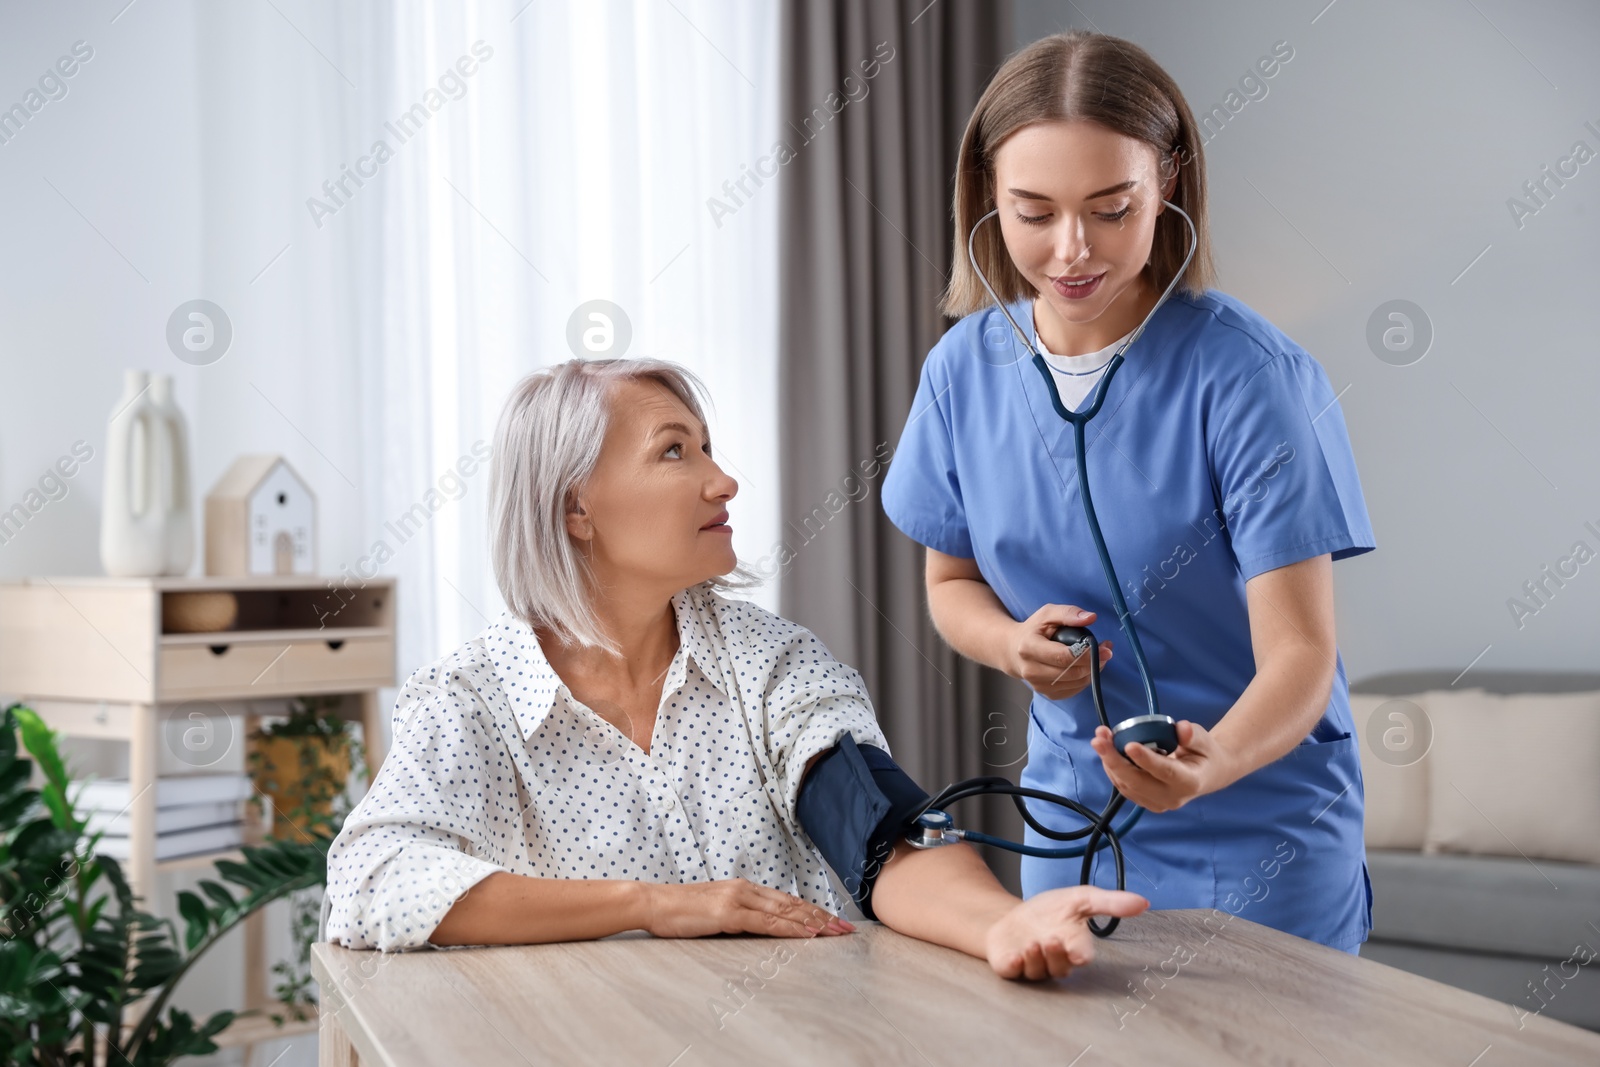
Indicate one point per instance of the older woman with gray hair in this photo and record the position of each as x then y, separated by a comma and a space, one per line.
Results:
626, 748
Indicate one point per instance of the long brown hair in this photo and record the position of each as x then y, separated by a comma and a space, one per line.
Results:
1079, 76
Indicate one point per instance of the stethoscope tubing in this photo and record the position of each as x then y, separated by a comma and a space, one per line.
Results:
1099, 831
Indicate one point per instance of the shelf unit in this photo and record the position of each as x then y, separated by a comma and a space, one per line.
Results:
90, 656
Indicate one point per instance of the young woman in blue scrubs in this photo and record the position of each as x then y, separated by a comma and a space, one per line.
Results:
1221, 474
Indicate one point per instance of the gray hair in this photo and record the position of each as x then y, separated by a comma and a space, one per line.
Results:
546, 447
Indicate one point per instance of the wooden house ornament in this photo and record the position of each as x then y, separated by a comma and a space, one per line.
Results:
260, 519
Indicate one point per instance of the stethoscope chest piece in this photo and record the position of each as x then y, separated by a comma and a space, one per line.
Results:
934, 828
1159, 732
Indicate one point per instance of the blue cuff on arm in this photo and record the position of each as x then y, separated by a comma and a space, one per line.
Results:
854, 805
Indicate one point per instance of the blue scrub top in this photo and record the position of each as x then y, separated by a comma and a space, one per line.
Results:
1220, 452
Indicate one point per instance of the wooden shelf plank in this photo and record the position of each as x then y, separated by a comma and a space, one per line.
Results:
255, 1029
279, 637
247, 1031
172, 583
199, 859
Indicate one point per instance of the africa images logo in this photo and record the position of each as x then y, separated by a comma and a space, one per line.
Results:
452, 85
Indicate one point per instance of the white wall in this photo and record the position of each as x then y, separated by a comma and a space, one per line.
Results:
1377, 167
132, 151
61, 355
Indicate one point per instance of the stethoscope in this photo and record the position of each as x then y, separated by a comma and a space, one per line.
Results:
933, 825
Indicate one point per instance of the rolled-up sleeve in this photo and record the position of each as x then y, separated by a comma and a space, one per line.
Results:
418, 840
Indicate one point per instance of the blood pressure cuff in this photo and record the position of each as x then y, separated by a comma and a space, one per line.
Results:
855, 805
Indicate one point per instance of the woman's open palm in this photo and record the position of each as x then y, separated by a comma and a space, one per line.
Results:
1048, 935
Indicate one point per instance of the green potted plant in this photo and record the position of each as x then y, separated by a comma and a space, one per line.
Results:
302, 765
85, 974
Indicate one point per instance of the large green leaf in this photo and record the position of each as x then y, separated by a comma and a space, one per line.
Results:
197, 916
40, 742
217, 893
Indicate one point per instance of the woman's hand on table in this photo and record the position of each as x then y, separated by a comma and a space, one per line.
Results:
1048, 666
733, 906
1048, 935
1163, 783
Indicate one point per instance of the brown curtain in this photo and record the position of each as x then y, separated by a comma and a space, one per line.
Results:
875, 95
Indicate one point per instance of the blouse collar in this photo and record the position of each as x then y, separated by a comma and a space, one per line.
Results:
531, 683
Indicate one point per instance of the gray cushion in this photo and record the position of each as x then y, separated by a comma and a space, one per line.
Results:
1403, 683
1539, 909
1574, 999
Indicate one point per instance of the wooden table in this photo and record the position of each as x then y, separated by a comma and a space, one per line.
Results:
1189, 987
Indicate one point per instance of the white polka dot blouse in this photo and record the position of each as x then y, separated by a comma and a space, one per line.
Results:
495, 766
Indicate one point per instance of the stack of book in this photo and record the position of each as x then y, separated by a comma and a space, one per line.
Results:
194, 813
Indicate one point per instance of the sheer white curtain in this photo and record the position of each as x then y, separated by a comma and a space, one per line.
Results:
574, 163
386, 298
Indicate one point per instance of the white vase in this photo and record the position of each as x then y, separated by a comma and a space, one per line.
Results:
171, 463
132, 522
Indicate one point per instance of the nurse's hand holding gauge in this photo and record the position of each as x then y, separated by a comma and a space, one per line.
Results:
1103, 443
1049, 666
1164, 783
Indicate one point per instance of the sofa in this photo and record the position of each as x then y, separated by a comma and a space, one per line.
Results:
1483, 833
